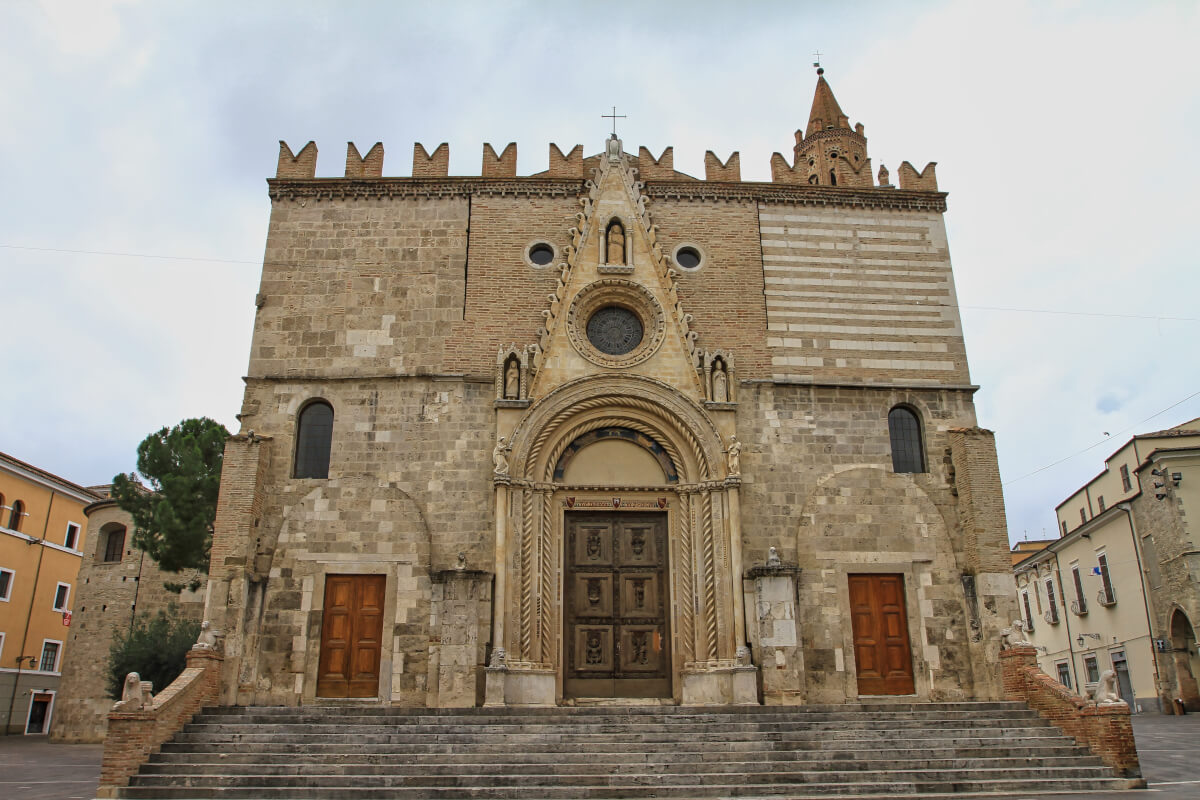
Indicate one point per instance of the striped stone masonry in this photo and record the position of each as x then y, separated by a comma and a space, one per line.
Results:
860, 296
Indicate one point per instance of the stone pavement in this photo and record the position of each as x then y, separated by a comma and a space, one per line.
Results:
33, 769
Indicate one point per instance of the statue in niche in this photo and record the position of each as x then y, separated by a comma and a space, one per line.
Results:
512, 381
616, 244
720, 382
500, 457
733, 456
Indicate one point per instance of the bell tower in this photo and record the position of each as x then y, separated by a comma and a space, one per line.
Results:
833, 153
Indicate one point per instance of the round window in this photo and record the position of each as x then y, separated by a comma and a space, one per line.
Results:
614, 330
541, 254
688, 257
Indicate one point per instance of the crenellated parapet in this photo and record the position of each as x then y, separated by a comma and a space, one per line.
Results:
828, 154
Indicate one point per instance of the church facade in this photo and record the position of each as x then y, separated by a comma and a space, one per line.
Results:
609, 431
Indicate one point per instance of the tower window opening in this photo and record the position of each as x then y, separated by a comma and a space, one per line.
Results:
832, 178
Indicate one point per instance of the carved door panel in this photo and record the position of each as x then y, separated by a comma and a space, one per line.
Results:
616, 639
882, 652
351, 636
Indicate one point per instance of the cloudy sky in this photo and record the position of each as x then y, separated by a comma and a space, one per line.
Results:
135, 138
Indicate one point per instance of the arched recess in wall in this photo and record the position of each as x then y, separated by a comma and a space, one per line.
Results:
617, 456
314, 440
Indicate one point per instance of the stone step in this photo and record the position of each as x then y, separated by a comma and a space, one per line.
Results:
606, 753
355, 727
681, 757
842, 709
779, 769
811, 791
599, 777
798, 739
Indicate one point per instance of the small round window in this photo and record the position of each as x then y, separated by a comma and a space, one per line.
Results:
540, 254
688, 257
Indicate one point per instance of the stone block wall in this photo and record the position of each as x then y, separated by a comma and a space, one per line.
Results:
362, 287
109, 596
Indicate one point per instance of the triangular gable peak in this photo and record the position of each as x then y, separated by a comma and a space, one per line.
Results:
616, 305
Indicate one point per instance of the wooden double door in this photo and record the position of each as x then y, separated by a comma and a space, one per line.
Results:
616, 638
351, 636
882, 653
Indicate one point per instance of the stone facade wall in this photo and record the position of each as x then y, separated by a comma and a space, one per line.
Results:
391, 306
361, 287
1168, 538
109, 596
818, 485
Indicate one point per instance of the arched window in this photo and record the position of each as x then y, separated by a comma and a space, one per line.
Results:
908, 453
112, 543
314, 437
14, 518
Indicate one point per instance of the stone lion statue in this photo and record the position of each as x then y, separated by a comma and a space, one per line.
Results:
1013, 635
136, 695
1106, 692
208, 639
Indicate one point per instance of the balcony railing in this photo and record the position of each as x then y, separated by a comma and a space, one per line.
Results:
1107, 599
1050, 617
1079, 608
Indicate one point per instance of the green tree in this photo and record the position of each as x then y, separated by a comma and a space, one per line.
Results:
173, 520
155, 648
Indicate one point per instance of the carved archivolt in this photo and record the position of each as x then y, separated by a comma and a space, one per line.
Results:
682, 428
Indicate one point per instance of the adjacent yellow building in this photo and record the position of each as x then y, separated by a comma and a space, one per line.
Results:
42, 536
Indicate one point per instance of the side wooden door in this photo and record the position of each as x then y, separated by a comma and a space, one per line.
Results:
351, 636
882, 652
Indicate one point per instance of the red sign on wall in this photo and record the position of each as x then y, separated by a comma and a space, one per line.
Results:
66, 619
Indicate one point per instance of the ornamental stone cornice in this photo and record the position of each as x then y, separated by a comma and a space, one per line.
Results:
892, 199
404, 188
318, 189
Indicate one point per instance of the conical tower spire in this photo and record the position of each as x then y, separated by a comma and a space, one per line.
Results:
826, 113
829, 151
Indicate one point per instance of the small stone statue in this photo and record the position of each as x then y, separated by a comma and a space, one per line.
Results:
499, 658
1013, 636
1106, 692
616, 244
742, 656
720, 383
773, 559
512, 381
208, 638
500, 457
136, 694
733, 456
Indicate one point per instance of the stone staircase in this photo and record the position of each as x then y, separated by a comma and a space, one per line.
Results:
856, 750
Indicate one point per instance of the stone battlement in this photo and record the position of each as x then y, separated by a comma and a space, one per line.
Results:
302, 165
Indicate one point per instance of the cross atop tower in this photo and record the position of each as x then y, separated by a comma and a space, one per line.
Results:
615, 116
817, 63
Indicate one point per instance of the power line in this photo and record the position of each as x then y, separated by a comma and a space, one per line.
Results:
1051, 311
1102, 441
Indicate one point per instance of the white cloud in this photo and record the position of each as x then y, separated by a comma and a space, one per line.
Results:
1063, 138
